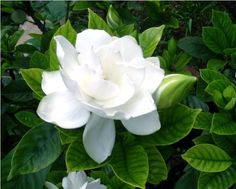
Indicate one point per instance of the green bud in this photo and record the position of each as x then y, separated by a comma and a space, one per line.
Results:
173, 89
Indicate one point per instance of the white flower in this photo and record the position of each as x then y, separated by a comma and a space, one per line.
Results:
77, 180
108, 77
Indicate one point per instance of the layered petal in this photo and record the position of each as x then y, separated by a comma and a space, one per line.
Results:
63, 109
52, 82
99, 138
67, 56
143, 125
74, 180
91, 38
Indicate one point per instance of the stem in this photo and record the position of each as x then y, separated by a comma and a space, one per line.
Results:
29, 10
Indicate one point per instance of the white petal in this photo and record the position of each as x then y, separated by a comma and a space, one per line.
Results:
143, 125
52, 82
63, 109
91, 38
50, 185
95, 185
99, 138
98, 88
154, 60
74, 180
153, 76
67, 56
141, 103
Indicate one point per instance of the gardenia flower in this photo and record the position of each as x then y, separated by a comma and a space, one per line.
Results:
77, 180
100, 80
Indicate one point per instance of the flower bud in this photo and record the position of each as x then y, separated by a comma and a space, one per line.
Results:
172, 90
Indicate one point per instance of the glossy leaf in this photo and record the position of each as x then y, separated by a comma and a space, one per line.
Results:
223, 124
157, 166
38, 148
113, 18
28, 119
33, 78
78, 159
214, 39
96, 22
211, 75
207, 158
174, 129
221, 180
70, 34
216, 64
130, 164
33, 181
149, 39
203, 121
39, 60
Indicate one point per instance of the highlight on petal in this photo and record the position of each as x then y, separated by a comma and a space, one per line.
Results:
67, 56
74, 180
90, 38
143, 125
50, 185
52, 82
99, 138
63, 109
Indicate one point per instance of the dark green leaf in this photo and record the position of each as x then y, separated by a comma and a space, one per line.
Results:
38, 148
216, 64
28, 119
214, 39
18, 16
39, 60
203, 121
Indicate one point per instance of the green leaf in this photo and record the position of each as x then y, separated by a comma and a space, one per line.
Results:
70, 34
214, 39
125, 30
26, 48
157, 166
113, 18
207, 158
226, 142
149, 39
130, 164
187, 180
18, 16
182, 61
221, 180
96, 22
38, 148
32, 181
211, 75
222, 21
223, 124
39, 60
195, 47
33, 78
28, 119
17, 91
216, 64
203, 139
203, 121
174, 129
78, 159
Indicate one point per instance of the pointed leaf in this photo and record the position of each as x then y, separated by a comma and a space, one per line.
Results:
38, 148
221, 180
149, 39
223, 124
96, 22
33, 78
130, 164
203, 121
28, 119
174, 129
207, 158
